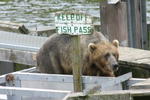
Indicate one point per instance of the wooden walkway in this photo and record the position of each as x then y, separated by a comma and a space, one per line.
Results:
135, 57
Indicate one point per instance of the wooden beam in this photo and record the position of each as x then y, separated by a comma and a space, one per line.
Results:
110, 95
128, 56
54, 81
59, 94
59, 78
142, 85
3, 79
117, 80
18, 56
103, 86
133, 81
13, 27
43, 31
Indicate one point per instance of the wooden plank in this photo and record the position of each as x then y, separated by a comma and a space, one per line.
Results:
142, 85
13, 27
60, 78
110, 95
128, 56
23, 75
17, 56
117, 80
132, 81
105, 85
3, 79
53, 94
54, 81
43, 31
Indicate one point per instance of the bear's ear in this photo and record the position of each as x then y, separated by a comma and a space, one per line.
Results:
92, 47
116, 43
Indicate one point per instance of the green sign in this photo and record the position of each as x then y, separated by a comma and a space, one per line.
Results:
73, 23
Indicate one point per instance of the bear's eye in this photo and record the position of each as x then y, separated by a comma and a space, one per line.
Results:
106, 55
114, 54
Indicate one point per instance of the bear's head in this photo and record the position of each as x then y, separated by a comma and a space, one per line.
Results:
104, 56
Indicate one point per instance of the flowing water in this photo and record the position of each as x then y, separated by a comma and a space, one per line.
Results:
35, 13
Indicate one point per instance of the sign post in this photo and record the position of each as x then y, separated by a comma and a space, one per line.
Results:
75, 24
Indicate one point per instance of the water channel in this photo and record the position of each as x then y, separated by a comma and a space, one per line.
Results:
37, 13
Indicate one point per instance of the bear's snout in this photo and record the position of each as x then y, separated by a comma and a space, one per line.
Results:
115, 67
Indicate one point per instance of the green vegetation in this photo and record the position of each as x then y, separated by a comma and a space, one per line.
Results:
5, 0
18, 67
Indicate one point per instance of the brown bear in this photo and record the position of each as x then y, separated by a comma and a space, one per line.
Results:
99, 56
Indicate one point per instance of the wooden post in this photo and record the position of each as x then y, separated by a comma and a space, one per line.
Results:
144, 25
137, 27
75, 24
76, 64
114, 21
148, 32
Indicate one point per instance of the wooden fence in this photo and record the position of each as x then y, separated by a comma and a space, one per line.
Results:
24, 85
